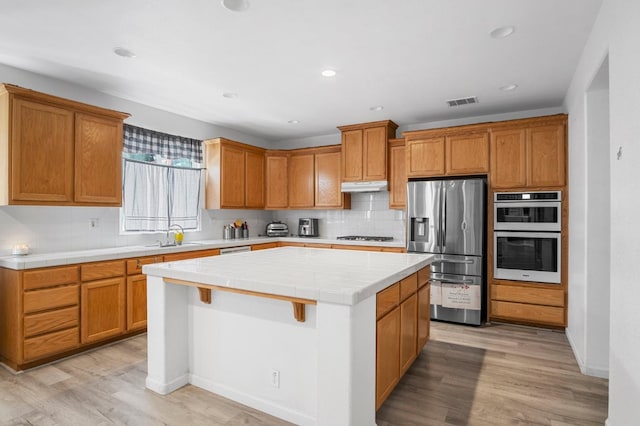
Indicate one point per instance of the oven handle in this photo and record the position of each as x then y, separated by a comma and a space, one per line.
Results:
448, 281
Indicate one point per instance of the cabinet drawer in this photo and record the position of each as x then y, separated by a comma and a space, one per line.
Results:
51, 343
134, 266
45, 322
96, 271
361, 248
191, 255
408, 286
263, 246
387, 299
532, 295
50, 277
41, 300
530, 313
424, 275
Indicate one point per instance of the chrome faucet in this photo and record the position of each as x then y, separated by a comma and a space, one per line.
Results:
172, 231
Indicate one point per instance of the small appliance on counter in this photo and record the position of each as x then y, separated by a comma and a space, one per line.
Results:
277, 229
308, 227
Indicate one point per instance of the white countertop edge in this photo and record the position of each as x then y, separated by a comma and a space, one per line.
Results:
343, 296
43, 260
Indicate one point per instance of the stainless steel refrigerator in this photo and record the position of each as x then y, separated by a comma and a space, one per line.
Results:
447, 218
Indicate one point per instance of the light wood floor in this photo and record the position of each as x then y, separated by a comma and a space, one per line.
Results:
493, 375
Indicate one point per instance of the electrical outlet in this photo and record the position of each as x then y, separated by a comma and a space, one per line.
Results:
275, 378
94, 223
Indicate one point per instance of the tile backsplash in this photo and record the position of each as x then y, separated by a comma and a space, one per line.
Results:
54, 229
369, 215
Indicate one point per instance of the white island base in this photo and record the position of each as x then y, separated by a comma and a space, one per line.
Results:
251, 349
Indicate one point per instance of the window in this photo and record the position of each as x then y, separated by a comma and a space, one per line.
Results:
162, 181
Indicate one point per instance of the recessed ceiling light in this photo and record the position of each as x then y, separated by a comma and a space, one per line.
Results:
502, 32
230, 95
377, 108
509, 87
293, 121
124, 52
236, 5
328, 73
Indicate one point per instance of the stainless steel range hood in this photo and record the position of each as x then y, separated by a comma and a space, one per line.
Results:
370, 186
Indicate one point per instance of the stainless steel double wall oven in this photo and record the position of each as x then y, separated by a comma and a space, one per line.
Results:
527, 236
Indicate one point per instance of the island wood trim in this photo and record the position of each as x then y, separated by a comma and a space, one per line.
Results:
299, 304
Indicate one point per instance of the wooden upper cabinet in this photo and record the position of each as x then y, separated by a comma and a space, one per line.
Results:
364, 150
98, 153
301, 180
234, 175
41, 152
55, 151
425, 157
352, 149
397, 174
254, 179
546, 156
508, 158
529, 154
467, 154
327, 179
444, 153
277, 181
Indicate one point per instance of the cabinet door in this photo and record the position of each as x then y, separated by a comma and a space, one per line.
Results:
424, 316
408, 332
232, 177
98, 160
102, 309
352, 150
41, 153
397, 177
136, 302
374, 155
327, 174
546, 156
277, 182
425, 157
508, 161
301, 180
387, 355
467, 154
254, 185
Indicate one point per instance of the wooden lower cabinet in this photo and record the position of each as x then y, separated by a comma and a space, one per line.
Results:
424, 315
527, 304
50, 343
136, 302
102, 309
402, 329
264, 246
387, 355
408, 332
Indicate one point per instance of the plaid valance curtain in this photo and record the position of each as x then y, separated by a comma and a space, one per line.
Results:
140, 140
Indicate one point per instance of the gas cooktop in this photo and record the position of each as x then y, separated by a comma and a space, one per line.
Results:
364, 238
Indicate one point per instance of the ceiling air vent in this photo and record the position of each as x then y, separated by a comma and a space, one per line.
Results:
462, 101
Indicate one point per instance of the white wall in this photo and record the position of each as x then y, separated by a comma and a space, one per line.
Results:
615, 33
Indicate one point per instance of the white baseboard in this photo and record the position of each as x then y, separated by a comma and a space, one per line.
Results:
607, 422
600, 372
166, 388
268, 407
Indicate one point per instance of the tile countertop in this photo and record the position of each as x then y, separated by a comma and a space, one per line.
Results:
94, 255
309, 273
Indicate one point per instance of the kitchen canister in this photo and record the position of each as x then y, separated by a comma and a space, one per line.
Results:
238, 232
228, 232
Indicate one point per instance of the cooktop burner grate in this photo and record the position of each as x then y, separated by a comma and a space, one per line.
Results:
364, 238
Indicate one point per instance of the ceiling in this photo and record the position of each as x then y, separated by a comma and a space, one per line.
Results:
408, 56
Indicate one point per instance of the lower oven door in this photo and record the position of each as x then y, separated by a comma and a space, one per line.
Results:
457, 298
527, 256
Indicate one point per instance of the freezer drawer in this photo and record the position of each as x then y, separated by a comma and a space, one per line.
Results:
457, 298
458, 265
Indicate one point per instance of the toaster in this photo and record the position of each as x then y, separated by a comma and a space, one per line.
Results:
277, 229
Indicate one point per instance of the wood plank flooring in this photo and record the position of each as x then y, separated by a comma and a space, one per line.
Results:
494, 375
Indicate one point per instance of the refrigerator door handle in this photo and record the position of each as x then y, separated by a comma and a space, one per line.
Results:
448, 281
463, 262
443, 244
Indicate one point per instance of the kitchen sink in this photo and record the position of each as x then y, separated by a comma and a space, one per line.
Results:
162, 245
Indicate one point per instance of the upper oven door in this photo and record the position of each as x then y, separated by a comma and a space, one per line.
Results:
527, 216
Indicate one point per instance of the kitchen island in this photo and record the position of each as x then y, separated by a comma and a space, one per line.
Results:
289, 331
